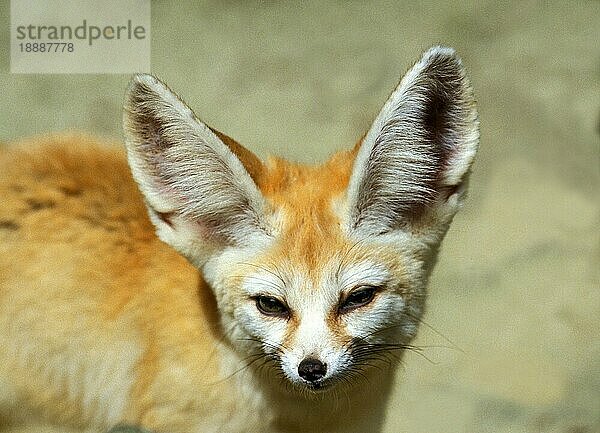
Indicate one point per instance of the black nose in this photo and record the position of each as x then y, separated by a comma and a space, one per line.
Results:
312, 369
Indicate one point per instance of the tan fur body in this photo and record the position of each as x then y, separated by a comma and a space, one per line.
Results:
98, 306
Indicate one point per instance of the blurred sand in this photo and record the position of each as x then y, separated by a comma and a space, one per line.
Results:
517, 284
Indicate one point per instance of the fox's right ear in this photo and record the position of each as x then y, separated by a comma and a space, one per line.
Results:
199, 191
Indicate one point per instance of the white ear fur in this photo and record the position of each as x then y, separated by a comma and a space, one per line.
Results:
418, 151
198, 193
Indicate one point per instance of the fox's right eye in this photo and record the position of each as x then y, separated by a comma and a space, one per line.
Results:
272, 307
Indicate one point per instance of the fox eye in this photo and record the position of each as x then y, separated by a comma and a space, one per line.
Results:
271, 307
357, 298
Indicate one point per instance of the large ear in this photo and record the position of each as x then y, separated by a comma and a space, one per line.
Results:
416, 156
198, 192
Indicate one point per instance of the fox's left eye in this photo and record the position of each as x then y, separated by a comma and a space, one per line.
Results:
270, 306
357, 298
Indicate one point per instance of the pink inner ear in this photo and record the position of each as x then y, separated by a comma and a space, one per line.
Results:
208, 234
195, 229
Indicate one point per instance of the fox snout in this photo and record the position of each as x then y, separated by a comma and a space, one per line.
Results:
322, 329
312, 370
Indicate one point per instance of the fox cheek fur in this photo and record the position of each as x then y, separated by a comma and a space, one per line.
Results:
292, 233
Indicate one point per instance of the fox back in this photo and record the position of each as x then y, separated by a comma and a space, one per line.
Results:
215, 292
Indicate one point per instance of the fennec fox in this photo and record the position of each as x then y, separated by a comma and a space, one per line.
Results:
301, 288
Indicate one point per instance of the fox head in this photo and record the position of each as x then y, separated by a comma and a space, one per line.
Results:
319, 271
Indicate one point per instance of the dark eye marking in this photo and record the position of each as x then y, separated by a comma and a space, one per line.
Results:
270, 306
358, 297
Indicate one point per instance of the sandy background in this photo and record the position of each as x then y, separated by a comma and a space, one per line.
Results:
517, 285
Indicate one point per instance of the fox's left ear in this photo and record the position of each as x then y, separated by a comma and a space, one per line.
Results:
416, 156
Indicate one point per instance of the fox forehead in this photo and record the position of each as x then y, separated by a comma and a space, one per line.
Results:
290, 282
312, 248
309, 230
